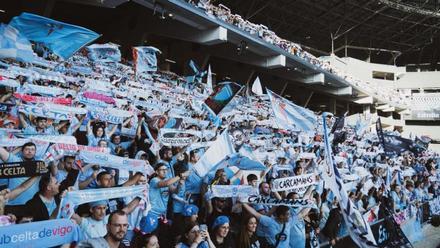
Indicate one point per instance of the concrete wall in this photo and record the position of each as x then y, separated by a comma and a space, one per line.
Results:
415, 80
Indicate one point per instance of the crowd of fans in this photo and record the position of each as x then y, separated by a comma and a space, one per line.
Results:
178, 210
223, 13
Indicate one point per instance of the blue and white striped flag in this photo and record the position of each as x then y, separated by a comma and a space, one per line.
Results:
289, 115
358, 228
14, 45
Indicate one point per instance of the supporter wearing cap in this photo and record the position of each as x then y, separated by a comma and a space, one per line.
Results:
221, 237
189, 214
160, 189
28, 151
94, 226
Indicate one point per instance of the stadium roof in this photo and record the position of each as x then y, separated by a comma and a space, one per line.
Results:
405, 30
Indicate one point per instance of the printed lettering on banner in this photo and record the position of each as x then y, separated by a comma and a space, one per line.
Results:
294, 183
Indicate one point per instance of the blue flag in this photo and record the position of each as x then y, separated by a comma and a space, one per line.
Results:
198, 74
61, 38
289, 115
14, 45
144, 58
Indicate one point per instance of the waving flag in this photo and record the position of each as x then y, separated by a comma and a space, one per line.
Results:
198, 73
145, 58
14, 45
256, 87
108, 52
393, 144
61, 38
209, 80
358, 228
221, 148
222, 95
290, 115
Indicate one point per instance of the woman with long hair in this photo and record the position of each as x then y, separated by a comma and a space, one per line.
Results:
194, 237
146, 241
247, 237
221, 236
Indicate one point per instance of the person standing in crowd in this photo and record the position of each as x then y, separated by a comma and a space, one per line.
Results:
277, 230
193, 237
43, 205
247, 237
220, 232
160, 190
116, 228
98, 132
28, 151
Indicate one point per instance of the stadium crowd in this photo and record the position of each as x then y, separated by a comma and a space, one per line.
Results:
224, 13
134, 159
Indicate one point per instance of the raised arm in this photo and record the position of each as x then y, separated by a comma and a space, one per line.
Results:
22, 187
4, 155
23, 121
132, 205
113, 130
252, 211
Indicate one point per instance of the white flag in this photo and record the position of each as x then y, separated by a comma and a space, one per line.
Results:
209, 80
256, 87
221, 148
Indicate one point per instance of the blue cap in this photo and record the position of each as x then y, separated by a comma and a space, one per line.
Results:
148, 223
190, 210
221, 220
98, 203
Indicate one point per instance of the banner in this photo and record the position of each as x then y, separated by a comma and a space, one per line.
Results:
48, 233
42, 110
108, 52
8, 82
12, 142
270, 201
221, 148
111, 115
78, 197
145, 59
44, 90
175, 137
61, 38
91, 102
52, 138
116, 162
22, 169
98, 97
221, 96
42, 99
60, 150
293, 183
224, 191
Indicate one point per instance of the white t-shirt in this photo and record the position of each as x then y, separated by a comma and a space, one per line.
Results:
94, 228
